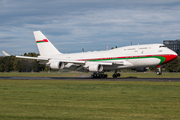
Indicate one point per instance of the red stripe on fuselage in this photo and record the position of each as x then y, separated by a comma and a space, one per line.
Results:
168, 57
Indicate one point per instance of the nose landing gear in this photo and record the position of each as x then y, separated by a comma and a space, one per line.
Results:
159, 72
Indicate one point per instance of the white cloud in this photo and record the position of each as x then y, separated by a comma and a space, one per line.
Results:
92, 24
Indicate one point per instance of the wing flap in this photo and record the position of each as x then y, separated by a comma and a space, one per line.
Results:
123, 63
84, 63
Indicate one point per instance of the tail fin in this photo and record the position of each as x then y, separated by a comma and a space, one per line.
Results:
46, 48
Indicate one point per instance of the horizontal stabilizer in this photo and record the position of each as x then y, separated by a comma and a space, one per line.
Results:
6, 54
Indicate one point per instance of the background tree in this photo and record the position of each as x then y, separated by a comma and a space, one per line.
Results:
8, 63
11, 63
173, 66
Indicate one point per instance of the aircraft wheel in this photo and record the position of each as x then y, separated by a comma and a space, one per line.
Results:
105, 76
114, 76
118, 74
101, 76
94, 76
159, 73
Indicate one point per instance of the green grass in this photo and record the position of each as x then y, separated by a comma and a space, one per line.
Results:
80, 100
151, 75
76, 74
42, 74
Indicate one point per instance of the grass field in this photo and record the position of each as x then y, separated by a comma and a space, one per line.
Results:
80, 100
76, 74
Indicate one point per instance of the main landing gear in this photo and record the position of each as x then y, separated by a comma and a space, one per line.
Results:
115, 75
102, 75
99, 75
159, 72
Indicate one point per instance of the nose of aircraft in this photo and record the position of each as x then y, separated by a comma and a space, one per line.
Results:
170, 57
173, 56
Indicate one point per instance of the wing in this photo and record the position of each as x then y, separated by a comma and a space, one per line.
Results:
36, 58
78, 65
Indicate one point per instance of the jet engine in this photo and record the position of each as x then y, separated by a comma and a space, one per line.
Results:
96, 68
141, 69
57, 65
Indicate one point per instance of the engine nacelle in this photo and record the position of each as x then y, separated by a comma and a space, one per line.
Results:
96, 68
142, 69
57, 65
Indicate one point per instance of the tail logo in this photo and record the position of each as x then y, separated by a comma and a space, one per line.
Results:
42, 41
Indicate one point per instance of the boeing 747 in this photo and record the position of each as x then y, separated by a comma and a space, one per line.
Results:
137, 57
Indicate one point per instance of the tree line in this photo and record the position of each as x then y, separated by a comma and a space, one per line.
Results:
11, 63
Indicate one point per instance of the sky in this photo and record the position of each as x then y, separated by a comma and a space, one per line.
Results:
90, 24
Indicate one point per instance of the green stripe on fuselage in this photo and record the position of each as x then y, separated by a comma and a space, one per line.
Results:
162, 59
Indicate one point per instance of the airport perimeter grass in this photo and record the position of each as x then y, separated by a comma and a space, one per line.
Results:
79, 74
80, 100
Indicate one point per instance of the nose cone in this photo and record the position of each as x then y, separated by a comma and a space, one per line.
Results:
170, 57
173, 56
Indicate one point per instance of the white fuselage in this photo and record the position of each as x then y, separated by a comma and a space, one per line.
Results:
135, 56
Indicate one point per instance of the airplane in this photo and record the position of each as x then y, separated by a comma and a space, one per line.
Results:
136, 57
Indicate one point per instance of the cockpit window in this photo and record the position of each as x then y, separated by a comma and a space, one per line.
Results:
162, 46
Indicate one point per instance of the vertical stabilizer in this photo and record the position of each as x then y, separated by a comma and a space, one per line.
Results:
46, 48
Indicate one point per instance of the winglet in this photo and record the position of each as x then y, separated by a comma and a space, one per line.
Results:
6, 54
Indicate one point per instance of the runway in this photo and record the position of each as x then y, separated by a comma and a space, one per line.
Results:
90, 79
